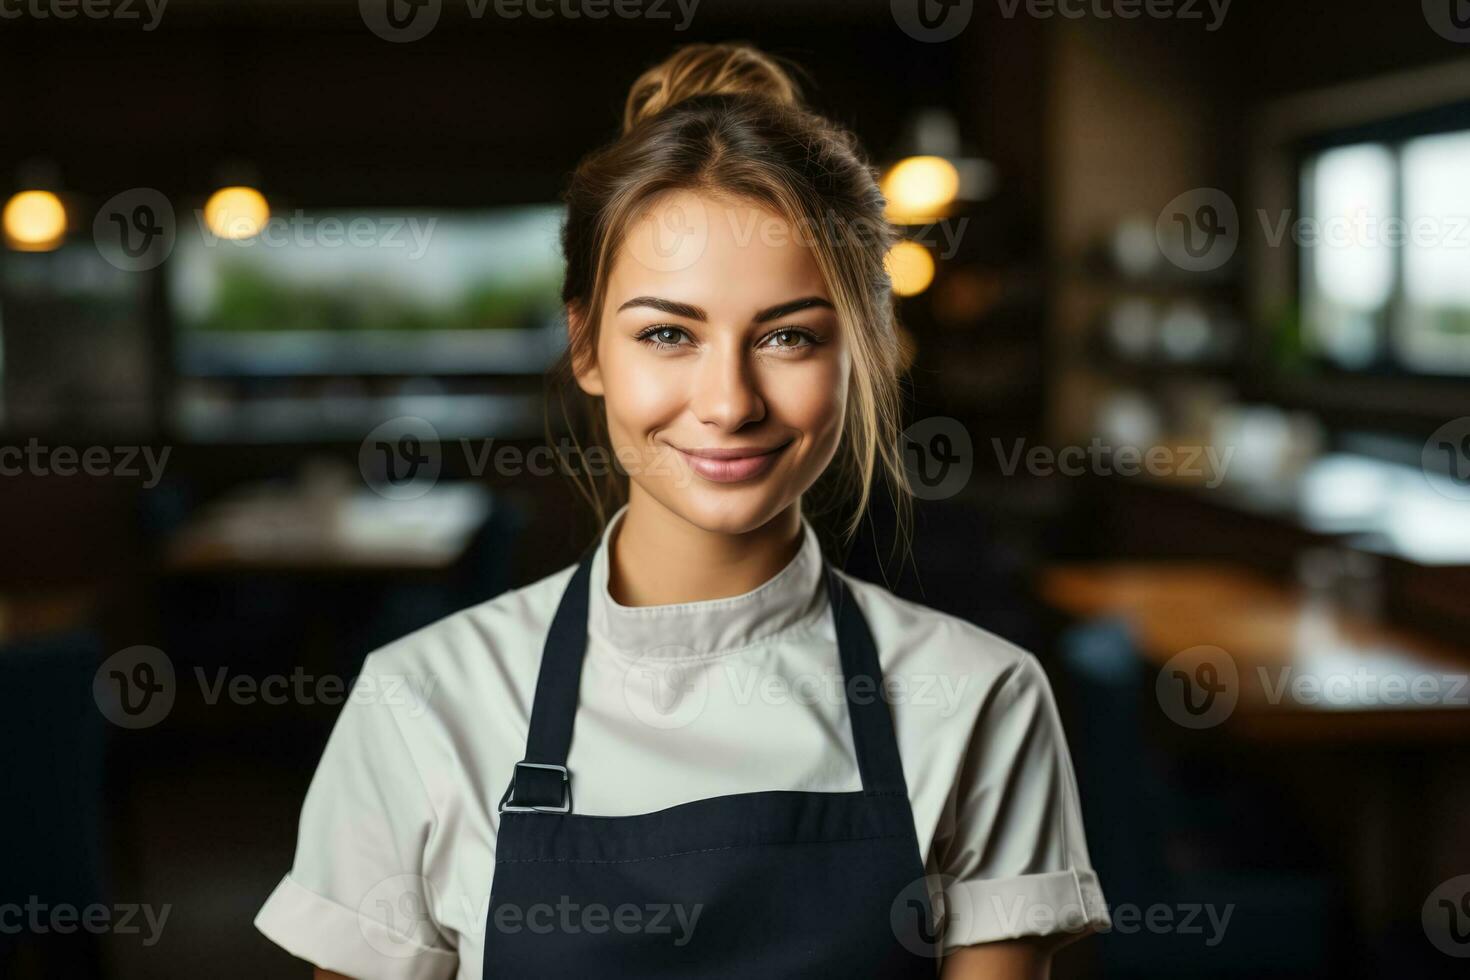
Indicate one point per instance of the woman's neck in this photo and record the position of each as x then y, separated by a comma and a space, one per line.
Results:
657, 557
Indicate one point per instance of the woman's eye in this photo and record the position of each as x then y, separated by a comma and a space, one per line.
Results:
790, 339
667, 337
662, 336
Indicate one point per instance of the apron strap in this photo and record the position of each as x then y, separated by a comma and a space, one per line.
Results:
541, 782
873, 737
560, 677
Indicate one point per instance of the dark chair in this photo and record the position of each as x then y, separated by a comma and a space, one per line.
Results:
966, 561
483, 572
51, 822
1283, 922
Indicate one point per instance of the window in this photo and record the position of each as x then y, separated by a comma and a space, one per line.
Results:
326, 323
1385, 255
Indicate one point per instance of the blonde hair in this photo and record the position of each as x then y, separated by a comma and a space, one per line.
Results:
729, 119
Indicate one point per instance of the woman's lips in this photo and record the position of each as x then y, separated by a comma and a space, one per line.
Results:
735, 469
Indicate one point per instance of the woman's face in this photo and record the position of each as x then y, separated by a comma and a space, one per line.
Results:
719, 337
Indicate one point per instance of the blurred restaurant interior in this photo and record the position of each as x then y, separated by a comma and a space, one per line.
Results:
1182, 410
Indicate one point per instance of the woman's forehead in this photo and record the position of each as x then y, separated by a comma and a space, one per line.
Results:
714, 251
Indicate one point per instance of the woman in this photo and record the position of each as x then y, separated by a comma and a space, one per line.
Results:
702, 751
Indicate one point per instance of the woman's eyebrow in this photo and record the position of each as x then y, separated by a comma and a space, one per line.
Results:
776, 312
689, 312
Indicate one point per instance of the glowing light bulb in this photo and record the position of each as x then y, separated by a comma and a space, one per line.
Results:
236, 212
920, 189
910, 267
34, 221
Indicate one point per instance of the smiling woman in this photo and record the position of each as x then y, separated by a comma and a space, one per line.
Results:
677, 801
734, 369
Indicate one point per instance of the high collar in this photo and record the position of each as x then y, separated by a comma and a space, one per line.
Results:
794, 597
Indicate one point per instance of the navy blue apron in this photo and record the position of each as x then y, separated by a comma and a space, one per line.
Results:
767, 884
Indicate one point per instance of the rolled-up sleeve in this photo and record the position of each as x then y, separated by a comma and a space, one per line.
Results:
356, 900
1015, 862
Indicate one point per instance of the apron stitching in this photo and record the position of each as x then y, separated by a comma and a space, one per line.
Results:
703, 850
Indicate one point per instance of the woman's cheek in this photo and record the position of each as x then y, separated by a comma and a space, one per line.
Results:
652, 400
815, 404
641, 402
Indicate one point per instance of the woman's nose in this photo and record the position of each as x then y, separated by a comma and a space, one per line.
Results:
725, 389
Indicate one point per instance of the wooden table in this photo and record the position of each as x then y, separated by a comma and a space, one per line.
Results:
27, 615
1305, 670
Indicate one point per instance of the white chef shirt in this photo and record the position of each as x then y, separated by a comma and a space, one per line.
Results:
396, 848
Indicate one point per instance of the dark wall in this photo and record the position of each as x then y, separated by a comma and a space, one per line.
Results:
480, 111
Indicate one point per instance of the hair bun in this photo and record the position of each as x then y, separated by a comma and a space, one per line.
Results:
708, 69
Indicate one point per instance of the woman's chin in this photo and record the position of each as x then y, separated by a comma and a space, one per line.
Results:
730, 508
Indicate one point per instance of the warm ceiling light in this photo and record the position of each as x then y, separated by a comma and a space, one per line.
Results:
910, 267
34, 221
920, 189
236, 212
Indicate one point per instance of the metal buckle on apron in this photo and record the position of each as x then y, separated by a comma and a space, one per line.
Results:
566, 800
